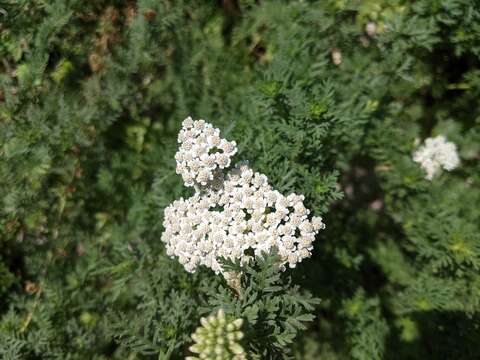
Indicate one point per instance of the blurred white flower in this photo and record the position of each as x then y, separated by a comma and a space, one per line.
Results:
435, 154
336, 56
371, 29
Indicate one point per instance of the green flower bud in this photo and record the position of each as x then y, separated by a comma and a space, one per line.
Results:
218, 338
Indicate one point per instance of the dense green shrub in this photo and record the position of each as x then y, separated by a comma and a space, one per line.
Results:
329, 99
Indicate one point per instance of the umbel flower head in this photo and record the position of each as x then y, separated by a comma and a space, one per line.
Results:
435, 154
218, 339
235, 215
202, 152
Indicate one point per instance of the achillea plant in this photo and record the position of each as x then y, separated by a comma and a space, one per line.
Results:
322, 97
218, 338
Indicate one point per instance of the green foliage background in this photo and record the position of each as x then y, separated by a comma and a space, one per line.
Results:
92, 95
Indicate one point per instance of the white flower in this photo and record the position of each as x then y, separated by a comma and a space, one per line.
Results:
336, 56
237, 213
436, 154
371, 28
201, 152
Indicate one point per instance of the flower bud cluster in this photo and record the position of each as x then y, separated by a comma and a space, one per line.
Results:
218, 339
202, 151
436, 154
236, 216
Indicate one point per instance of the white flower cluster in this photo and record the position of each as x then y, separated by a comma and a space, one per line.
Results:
245, 213
218, 339
238, 215
437, 153
202, 152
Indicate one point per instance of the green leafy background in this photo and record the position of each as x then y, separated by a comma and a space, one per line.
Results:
92, 95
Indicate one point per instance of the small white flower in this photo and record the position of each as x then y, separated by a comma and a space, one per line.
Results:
336, 56
436, 154
371, 28
201, 152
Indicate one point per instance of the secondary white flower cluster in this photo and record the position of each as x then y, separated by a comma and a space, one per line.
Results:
202, 152
435, 154
236, 216
218, 339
